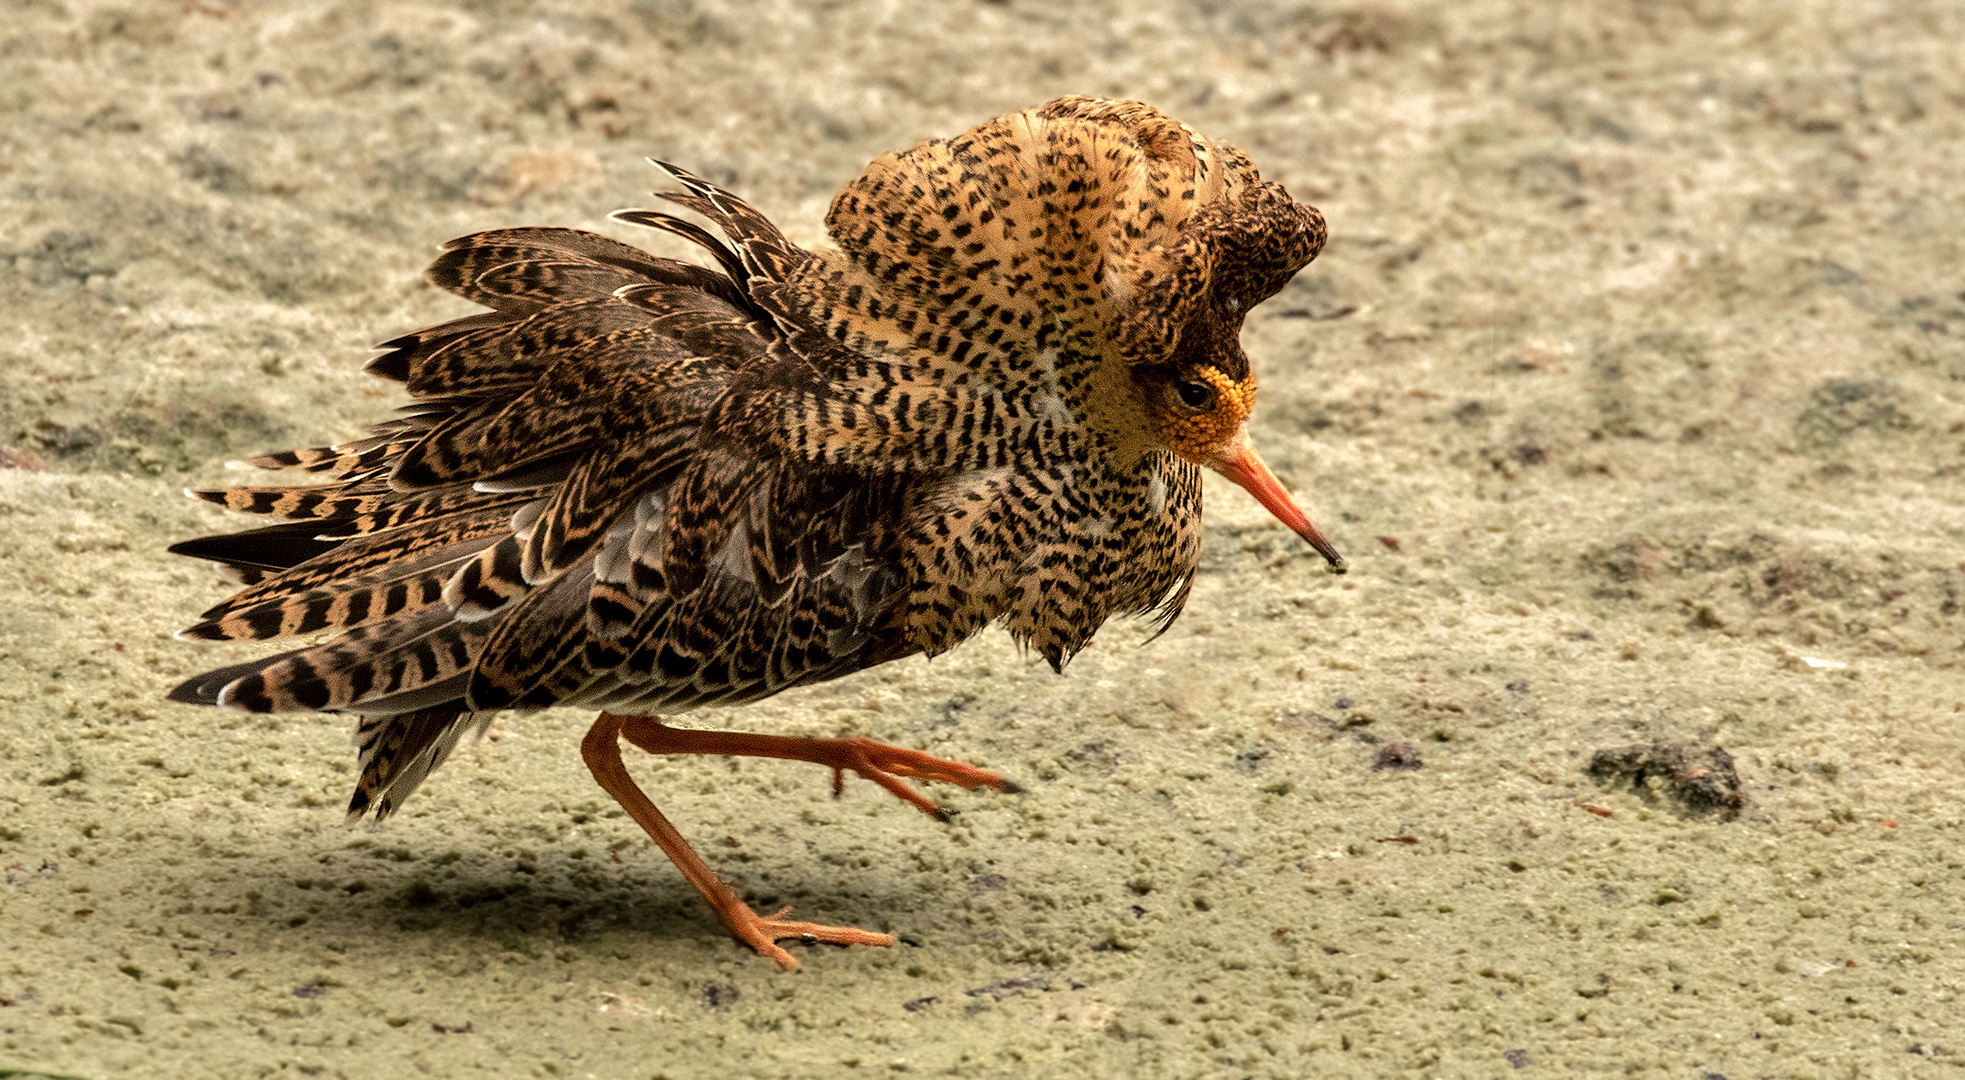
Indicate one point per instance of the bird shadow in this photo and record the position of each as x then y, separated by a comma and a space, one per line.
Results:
393, 899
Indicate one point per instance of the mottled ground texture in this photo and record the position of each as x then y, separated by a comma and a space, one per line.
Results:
1632, 383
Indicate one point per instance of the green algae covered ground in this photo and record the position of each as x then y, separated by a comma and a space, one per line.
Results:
1632, 382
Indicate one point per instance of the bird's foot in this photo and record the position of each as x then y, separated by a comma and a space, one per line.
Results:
875, 760
885, 765
602, 751
763, 933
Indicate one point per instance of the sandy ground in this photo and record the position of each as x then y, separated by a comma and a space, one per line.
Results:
1632, 383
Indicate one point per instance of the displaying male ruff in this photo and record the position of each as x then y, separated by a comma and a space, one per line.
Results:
645, 486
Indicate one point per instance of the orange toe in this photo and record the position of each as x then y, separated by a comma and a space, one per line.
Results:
763, 933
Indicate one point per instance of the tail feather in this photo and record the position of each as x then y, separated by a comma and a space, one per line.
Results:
205, 689
531, 284
398, 364
300, 501
260, 551
358, 456
531, 641
764, 251
354, 556
426, 508
364, 664
556, 416
545, 240
505, 360
398, 752
732, 263
440, 457
397, 588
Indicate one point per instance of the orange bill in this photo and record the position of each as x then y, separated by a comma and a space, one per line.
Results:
1239, 462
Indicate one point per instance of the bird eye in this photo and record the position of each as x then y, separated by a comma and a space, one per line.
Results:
1195, 395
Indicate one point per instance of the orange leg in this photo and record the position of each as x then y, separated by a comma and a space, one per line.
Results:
876, 761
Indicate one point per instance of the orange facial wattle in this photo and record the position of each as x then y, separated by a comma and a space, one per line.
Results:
1216, 436
1196, 434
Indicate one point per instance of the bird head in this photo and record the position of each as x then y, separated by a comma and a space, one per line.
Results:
1102, 244
1182, 338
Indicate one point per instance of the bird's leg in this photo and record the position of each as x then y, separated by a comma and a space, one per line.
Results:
602, 751
877, 761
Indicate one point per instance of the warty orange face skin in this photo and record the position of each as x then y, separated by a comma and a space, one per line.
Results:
1204, 419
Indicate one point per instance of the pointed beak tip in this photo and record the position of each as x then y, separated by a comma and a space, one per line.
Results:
1246, 468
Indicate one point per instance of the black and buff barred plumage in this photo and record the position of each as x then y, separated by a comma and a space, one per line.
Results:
645, 486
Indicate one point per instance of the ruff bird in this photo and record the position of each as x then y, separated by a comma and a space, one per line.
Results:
645, 486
